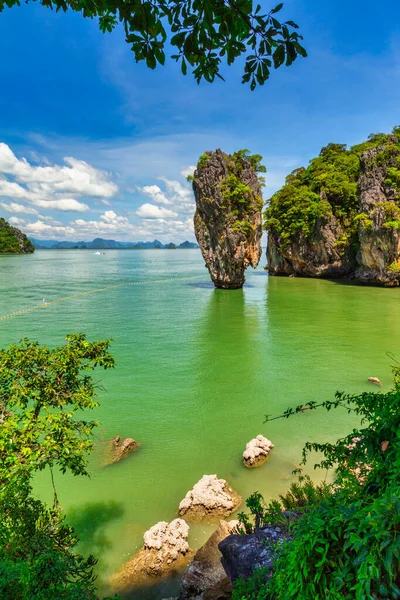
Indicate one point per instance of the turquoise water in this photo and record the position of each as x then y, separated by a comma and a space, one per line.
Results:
197, 370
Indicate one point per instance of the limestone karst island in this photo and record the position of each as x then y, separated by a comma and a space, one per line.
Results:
13, 241
199, 300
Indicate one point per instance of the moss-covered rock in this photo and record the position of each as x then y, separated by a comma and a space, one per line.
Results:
13, 241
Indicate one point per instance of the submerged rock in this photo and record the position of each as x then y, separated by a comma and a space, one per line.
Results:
165, 549
210, 498
257, 451
119, 448
228, 220
205, 577
242, 554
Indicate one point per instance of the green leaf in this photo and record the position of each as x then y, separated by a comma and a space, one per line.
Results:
279, 56
277, 8
183, 67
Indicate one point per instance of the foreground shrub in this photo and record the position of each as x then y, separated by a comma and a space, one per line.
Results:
346, 545
42, 395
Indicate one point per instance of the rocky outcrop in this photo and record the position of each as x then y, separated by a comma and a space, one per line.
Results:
379, 241
211, 498
311, 256
228, 220
242, 554
205, 578
165, 549
119, 448
340, 217
13, 241
257, 451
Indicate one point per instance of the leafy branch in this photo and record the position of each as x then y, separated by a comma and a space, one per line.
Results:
204, 33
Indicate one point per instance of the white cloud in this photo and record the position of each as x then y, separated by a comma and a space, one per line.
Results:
170, 198
78, 177
151, 211
178, 196
109, 222
155, 194
111, 217
188, 171
53, 187
64, 204
181, 195
14, 207
43, 230
17, 222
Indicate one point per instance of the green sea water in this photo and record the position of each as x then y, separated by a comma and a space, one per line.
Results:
197, 370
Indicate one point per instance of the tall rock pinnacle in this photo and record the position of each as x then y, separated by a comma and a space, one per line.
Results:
228, 221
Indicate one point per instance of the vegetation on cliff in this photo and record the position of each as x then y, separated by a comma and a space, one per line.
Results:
42, 394
328, 204
227, 221
328, 186
346, 544
13, 241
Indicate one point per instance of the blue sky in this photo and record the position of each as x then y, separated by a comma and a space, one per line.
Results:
95, 145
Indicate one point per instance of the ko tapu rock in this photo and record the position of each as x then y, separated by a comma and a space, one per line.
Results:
211, 498
340, 216
228, 219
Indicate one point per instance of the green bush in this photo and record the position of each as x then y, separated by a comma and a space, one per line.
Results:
394, 267
203, 160
393, 177
43, 395
293, 210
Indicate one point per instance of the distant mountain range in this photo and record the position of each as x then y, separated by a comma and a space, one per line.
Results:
99, 243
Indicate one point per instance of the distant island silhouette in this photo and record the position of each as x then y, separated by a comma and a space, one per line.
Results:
100, 243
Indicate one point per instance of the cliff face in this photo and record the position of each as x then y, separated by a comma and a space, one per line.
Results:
228, 220
311, 256
340, 217
13, 241
378, 256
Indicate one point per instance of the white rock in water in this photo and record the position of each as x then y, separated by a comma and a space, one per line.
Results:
169, 538
165, 549
257, 451
210, 498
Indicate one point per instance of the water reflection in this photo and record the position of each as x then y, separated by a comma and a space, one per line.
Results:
90, 523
